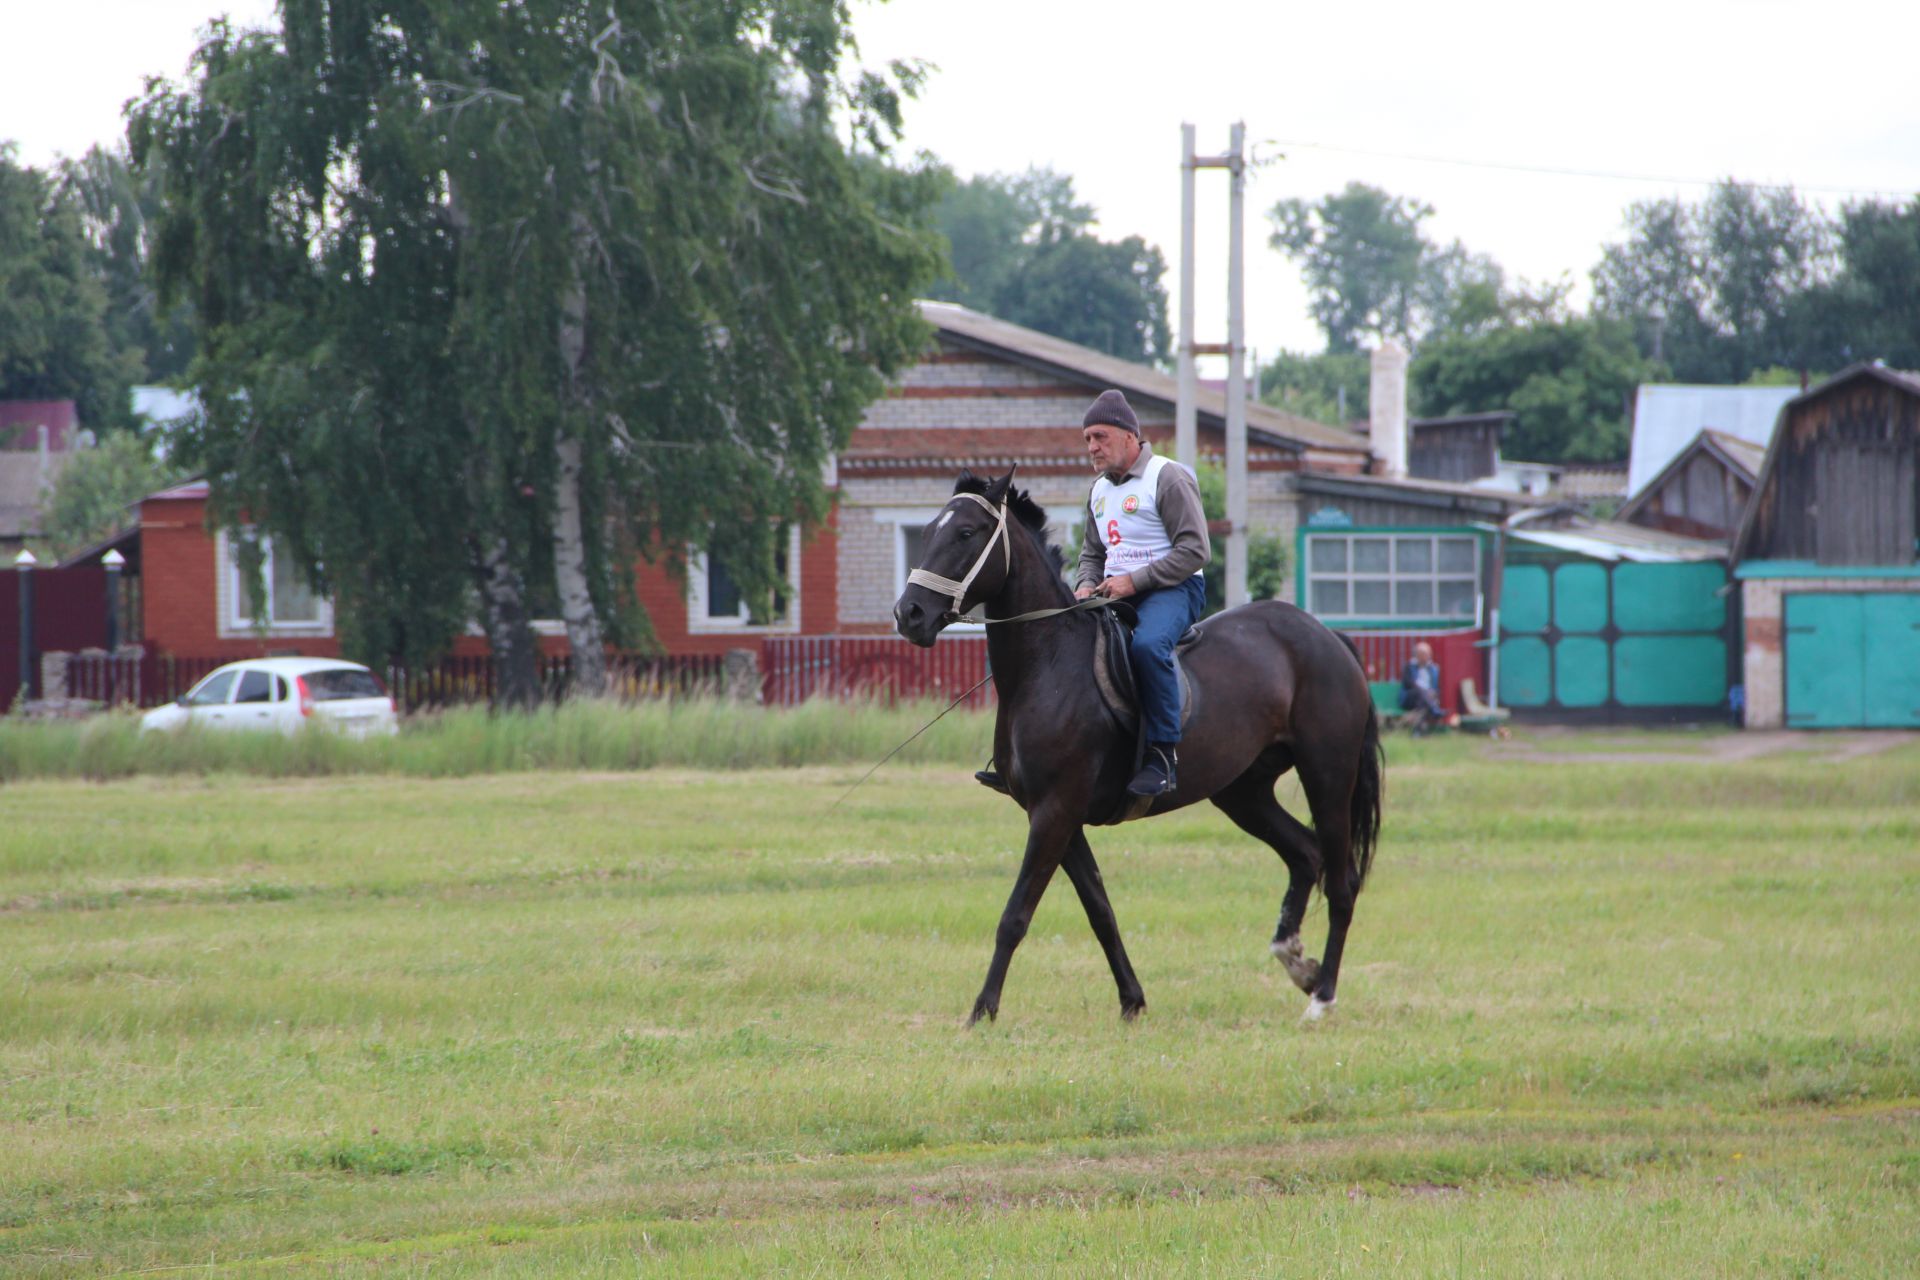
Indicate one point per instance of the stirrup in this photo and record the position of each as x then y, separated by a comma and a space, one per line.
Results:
990, 778
1158, 775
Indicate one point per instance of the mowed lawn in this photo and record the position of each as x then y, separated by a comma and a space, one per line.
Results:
1597, 1020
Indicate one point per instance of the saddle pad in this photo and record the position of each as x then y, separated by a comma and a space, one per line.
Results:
1113, 671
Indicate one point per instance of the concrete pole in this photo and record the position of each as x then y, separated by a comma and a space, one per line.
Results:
1186, 430
24, 563
1236, 578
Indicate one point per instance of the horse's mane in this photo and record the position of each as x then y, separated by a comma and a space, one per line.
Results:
1019, 501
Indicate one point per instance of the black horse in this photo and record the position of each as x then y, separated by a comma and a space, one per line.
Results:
1273, 690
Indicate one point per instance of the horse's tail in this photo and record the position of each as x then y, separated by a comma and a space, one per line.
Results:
1364, 817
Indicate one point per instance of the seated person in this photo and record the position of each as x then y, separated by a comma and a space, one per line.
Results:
1420, 691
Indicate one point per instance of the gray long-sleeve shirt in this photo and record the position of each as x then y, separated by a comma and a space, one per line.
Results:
1177, 498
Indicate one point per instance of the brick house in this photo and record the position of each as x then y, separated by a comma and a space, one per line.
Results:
987, 395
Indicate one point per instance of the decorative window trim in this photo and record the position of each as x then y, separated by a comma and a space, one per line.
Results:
230, 600
1393, 576
699, 624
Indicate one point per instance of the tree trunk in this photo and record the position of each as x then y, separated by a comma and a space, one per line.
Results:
570, 576
503, 599
584, 633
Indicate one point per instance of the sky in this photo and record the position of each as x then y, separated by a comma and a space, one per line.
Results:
1528, 126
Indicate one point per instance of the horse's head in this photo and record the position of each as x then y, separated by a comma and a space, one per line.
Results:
966, 556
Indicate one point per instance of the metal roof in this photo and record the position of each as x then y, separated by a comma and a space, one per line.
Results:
1612, 540
1097, 369
1667, 417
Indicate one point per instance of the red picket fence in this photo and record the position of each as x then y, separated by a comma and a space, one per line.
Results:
154, 679
1385, 655
796, 668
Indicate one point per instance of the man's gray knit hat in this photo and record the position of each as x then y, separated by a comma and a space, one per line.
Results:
1112, 410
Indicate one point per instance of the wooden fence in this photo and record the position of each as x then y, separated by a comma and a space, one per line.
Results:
796, 668
154, 679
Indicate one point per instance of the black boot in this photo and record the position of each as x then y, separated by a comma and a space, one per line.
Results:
990, 778
1157, 775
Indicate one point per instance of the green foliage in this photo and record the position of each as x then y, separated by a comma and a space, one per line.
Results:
53, 336
1020, 249
1871, 309
428, 245
1570, 385
117, 209
1311, 386
1717, 289
1371, 272
96, 488
1266, 551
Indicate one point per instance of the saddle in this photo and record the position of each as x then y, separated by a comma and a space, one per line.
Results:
1113, 673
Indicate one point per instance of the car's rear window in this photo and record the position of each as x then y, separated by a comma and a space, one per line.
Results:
343, 682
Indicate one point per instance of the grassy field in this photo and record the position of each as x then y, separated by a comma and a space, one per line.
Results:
1596, 1020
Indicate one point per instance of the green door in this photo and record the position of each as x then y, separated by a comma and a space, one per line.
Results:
1826, 668
1891, 630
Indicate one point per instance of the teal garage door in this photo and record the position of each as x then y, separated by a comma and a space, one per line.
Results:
1852, 660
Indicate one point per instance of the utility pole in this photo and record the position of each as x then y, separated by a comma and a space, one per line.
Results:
1185, 421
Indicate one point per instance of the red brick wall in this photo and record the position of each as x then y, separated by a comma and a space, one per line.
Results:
179, 565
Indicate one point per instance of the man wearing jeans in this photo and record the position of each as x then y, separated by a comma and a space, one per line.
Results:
1145, 541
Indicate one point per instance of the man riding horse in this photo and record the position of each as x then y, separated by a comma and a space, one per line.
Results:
1144, 540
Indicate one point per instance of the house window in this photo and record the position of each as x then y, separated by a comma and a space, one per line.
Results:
715, 601
1392, 577
290, 604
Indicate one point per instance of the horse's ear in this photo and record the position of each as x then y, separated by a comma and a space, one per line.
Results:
967, 481
997, 490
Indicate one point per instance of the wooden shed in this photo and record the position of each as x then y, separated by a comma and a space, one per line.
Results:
1703, 491
1828, 559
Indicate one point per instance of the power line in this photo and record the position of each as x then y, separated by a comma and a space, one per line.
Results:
1611, 175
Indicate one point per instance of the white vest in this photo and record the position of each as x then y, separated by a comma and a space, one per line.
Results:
1127, 517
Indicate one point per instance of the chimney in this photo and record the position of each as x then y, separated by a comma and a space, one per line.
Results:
1387, 396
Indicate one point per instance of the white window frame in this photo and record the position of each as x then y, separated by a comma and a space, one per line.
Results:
236, 621
698, 623
1393, 577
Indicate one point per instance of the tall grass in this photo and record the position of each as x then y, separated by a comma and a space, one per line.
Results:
700, 733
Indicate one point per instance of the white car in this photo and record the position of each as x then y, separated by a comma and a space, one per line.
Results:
283, 694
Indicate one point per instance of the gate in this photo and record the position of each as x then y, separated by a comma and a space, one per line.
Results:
70, 613
1586, 639
1850, 660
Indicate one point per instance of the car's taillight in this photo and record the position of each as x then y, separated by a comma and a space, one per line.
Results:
306, 695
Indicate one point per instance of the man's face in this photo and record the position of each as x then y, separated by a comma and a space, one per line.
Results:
1109, 448
1423, 654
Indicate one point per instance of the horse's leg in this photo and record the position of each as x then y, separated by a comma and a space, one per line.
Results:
1330, 797
1085, 874
1047, 835
1250, 803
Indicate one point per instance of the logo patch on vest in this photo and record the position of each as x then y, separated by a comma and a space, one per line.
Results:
1100, 505
1132, 504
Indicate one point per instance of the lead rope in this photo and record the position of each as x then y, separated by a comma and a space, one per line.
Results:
903, 746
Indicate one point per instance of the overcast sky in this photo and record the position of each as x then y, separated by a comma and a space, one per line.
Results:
1421, 99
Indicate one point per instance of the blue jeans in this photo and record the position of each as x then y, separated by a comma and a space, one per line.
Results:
1164, 615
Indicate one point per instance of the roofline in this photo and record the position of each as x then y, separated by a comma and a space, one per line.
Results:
1737, 546
101, 547
1706, 440
1439, 495
1137, 378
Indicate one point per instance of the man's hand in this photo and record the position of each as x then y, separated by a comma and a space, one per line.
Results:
1081, 593
1118, 587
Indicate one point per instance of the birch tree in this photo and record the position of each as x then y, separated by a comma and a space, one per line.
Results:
498, 299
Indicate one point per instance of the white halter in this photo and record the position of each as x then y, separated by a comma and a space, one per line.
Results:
958, 590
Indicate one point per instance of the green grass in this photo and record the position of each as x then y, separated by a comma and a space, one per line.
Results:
694, 733
1596, 1020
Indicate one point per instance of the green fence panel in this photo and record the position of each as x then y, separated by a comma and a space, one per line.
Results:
1525, 672
1580, 670
1891, 626
1826, 686
1523, 598
1580, 598
1670, 597
1670, 671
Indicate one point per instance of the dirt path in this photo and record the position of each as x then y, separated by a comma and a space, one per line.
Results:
1551, 744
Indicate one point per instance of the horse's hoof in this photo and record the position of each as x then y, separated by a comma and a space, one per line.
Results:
1317, 1009
1302, 969
1132, 1012
981, 1011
